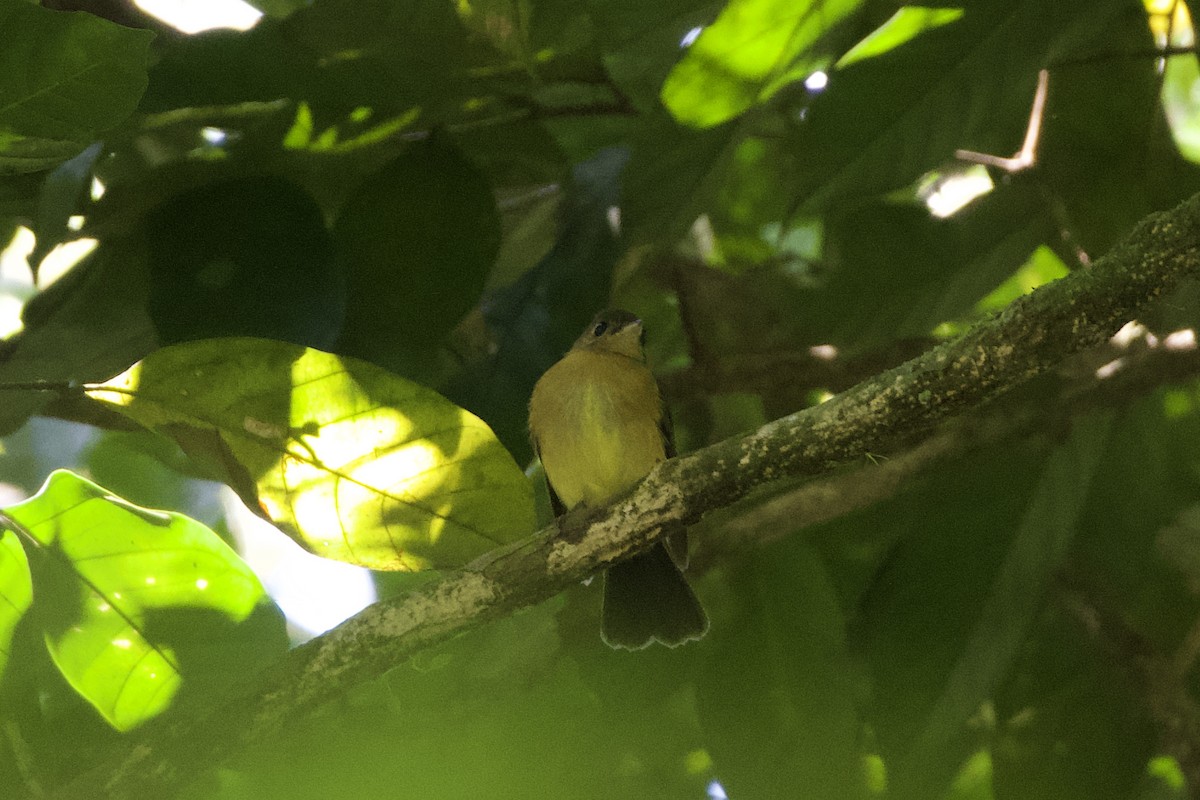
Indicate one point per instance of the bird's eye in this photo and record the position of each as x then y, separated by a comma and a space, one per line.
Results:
600, 328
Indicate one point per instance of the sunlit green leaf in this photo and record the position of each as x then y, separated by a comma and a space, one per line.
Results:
279, 8
1042, 267
16, 591
754, 46
64, 79
1180, 103
907, 23
134, 602
353, 462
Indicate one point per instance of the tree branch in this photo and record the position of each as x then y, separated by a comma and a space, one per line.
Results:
1035, 333
1142, 369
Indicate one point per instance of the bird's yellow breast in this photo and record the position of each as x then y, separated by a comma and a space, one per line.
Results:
594, 417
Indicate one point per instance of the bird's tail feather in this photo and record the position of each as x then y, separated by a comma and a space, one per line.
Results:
647, 598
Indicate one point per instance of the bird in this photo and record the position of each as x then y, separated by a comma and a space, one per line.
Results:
598, 424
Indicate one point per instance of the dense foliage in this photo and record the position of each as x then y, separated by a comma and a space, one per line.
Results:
333, 253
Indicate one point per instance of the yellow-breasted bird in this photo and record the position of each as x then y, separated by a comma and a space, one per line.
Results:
599, 425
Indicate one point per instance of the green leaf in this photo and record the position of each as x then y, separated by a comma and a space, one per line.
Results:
672, 174
16, 591
279, 8
893, 271
138, 605
243, 257
1042, 267
777, 697
420, 236
753, 48
1006, 615
1071, 720
64, 80
1108, 157
337, 55
906, 24
65, 339
884, 122
354, 463
642, 41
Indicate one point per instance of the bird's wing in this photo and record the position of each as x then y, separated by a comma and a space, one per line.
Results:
676, 541
556, 505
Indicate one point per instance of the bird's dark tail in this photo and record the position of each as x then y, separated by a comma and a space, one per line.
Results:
647, 598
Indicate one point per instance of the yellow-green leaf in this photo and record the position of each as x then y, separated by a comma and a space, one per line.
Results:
16, 592
905, 25
132, 601
353, 462
752, 49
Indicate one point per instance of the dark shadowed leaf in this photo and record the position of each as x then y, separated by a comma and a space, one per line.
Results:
1108, 156
896, 271
420, 236
883, 122
928, 692
672, 175
64, 80
643, 41
777, 698
244, 257
66, 338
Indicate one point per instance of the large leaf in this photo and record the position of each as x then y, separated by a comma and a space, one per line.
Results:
752, 48
929, 688
16, 591
338, 55
138, 606
64, 79
243, 257
894, 271
354, 463
776, 698
885, 121
420, 236
1107, 156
